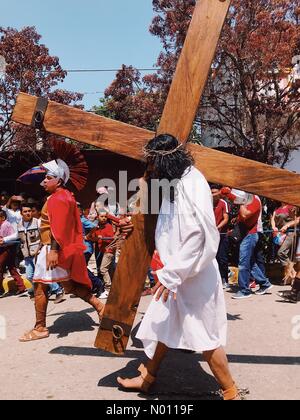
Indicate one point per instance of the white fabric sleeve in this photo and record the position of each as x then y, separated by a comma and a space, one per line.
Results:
183, 264
199, 239
11, 238
198, 249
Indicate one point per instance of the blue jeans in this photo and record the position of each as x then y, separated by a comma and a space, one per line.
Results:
151, 278
222, 257
55, 289
97, 282
259, 255
30, 267
248, 264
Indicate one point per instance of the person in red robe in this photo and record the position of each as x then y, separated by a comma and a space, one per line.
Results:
61, 258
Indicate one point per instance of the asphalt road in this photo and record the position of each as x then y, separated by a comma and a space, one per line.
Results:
263, 349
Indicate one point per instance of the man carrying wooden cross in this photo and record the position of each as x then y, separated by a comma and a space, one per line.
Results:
188, 311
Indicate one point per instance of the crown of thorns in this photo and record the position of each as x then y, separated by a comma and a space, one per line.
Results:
153, 153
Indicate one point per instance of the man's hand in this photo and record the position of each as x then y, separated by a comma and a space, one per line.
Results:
225, 191
52, 260
162, 291
284, 228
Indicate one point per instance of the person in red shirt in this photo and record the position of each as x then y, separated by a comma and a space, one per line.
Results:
221, 210
104, 235
250, 224
250, 216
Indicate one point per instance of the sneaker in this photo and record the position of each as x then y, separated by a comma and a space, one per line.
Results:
21, 293
253, 285
104, 295
289, 296
241, 295
225, 285
283, 293
60, 297
263, 290
6, 294
98, 291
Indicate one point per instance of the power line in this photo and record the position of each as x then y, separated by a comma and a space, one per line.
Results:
92, 93
105, 70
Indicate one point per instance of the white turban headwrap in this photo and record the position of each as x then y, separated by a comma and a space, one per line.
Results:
58, 169
242, 198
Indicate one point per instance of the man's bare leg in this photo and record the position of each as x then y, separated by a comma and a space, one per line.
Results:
219, 366
216, 359
148, 372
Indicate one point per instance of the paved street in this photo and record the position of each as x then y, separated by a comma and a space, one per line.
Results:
264, 355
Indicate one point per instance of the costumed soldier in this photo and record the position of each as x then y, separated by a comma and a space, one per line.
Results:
61, 258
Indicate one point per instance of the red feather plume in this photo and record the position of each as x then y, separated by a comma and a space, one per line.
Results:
74, 159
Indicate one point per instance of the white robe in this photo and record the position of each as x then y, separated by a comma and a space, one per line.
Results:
187, 240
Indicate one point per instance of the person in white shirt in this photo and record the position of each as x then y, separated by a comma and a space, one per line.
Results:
188, 311
13, 210
8, 256
28, 232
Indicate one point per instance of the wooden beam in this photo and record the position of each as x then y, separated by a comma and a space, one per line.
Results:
219, 167
193, 68
247, 175
85, 127
178, 117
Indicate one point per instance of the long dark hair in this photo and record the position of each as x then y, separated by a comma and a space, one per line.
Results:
167, 166
166, 159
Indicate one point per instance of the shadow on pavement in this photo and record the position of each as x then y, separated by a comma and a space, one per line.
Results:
180, 376
132, 354
70, 322
234, 317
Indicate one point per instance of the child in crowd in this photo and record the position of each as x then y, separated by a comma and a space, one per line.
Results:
8, 255
104, 236
28, 232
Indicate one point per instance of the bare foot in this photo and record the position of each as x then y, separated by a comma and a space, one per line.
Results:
137, 383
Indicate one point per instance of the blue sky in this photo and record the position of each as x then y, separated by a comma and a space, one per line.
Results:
90, 34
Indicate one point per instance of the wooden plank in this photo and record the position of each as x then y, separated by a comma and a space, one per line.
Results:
219, 167
247, 175
193, 68
127, 285
86, 127
178, 117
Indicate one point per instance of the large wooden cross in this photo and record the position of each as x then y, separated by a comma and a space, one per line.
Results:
178, 116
